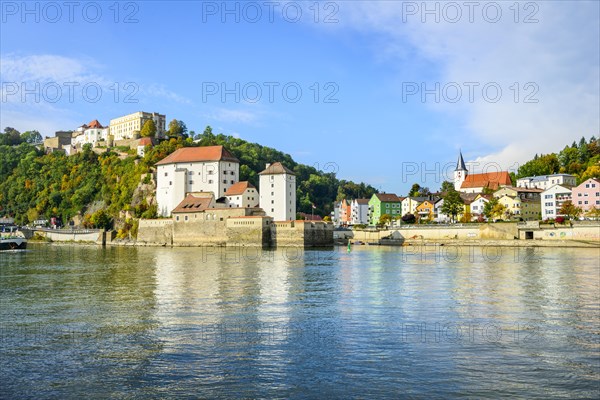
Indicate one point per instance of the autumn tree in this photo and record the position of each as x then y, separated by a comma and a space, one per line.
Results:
149, 129
385, 219
570, 210
177, 128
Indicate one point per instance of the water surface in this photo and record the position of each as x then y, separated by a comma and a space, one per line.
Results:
79, 321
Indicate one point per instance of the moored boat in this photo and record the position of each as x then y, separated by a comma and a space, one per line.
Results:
12, 239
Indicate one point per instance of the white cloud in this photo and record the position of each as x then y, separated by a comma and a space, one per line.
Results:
559, 55
46, 92
162, 92
233, 116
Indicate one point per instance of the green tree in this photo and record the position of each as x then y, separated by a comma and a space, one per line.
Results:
31, 137
446, 186
10, 137
414, 190
149, 129
453, 204
177, 128
543, 165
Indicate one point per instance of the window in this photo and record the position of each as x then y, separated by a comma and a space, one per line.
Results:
191, 182
191, 173
597, 194
224, 172
272, 185
232, 173
166, 174
587, 185
177, 218
272, 210
170, 183
231, 182
578, 194
272, 201
210, 181
186, 217
224, 180
585, 202
272, 193
579, 202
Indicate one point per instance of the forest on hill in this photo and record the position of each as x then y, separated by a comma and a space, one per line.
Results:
580, 159
98, 187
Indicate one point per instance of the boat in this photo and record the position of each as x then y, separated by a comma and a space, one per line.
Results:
12, 239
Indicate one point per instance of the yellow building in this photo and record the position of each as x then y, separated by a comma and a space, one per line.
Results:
128, 126
521, 208
425, 211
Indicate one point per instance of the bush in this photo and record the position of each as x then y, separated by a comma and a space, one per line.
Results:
409, 219
560, 220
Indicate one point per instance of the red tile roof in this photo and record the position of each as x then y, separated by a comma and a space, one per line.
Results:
193, 204
198, 154
362, 201
146, 141
387, 197
239, 188
492, 180
95, 125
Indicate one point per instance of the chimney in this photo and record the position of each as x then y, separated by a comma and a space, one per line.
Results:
267, 165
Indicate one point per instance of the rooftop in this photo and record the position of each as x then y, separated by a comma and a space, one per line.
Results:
192, 203
199, 154
387, 197
492, 180
276, 169
239, 188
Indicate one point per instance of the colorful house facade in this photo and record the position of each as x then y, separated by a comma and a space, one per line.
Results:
384, 203
587, 195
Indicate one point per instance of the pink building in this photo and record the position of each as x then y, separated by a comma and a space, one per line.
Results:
587, 195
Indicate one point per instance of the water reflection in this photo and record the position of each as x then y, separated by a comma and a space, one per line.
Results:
375, 322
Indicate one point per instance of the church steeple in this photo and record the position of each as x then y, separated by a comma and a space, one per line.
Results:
460, 164
460, 173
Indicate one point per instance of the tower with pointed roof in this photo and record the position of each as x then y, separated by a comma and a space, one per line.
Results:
278, 192
460, 173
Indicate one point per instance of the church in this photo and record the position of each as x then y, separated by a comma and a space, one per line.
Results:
476, 183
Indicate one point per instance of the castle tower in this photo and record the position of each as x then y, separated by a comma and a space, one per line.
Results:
460, 173
278, 192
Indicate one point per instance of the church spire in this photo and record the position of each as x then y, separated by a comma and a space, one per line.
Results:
460, 164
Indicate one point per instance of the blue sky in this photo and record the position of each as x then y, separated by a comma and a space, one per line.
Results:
369, 60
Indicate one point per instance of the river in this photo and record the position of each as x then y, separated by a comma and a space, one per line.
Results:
375, 322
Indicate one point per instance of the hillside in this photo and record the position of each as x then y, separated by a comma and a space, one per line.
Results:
98, 187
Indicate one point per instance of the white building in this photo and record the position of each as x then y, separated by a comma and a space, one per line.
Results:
127, 126
194, 169
335, 214
438, 215
359, 210
553, 199
478, 205
242, 194
546, 181
278, 192
91, 133
410, 204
